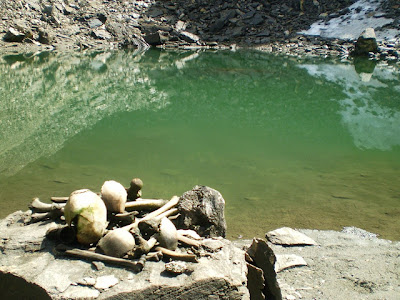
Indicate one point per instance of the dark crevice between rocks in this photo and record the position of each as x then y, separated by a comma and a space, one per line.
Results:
261, 276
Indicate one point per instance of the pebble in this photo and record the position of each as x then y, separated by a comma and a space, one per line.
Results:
105, 282
176, 267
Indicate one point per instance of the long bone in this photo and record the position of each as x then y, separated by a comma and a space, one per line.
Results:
40, 206
136, 266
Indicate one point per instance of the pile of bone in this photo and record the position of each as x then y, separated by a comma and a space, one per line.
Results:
119, 227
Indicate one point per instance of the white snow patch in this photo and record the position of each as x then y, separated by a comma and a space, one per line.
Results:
363, 14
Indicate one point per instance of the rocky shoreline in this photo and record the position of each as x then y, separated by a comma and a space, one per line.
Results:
272, 26
309, 264
350, 264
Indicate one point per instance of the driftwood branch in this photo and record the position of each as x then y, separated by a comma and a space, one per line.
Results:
136, 266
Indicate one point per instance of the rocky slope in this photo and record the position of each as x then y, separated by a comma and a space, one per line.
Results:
80, 24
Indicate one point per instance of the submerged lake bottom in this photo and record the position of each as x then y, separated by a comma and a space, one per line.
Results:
299, 143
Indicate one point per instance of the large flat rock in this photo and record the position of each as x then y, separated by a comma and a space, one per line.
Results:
28, 267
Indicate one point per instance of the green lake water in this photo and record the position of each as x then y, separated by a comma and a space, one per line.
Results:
304, 144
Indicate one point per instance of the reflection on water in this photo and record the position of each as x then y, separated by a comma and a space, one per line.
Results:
288, 143
373, 121
47, 99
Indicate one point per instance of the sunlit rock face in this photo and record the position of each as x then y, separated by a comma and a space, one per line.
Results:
46, 99
372, 122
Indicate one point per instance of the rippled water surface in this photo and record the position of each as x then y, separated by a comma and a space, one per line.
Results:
306, 144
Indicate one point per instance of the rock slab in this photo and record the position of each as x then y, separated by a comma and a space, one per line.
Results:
29, 269
289, 237
366, 43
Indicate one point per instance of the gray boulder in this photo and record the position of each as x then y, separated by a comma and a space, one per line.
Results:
14, 35
29, 269
189, 37
45, 36
366, 43
202, 210
157, 38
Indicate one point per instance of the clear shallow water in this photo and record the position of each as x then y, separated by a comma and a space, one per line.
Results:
309, 144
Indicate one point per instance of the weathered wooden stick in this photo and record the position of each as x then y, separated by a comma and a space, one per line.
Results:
59, 199
141, 204
40, 206
188, 241
176, 255
137, 266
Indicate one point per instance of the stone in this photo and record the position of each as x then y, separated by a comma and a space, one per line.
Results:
68, 10
34, 4
13, 35
48, 10
286, 261
105, 282
289, 237
101, 34
89, 281
202, 210
180, 26
264, 258
94, 23
176, 267
45, 37
366, 43
256, 20
157, 38
217, 25
255, 282
155, 12
189, 37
